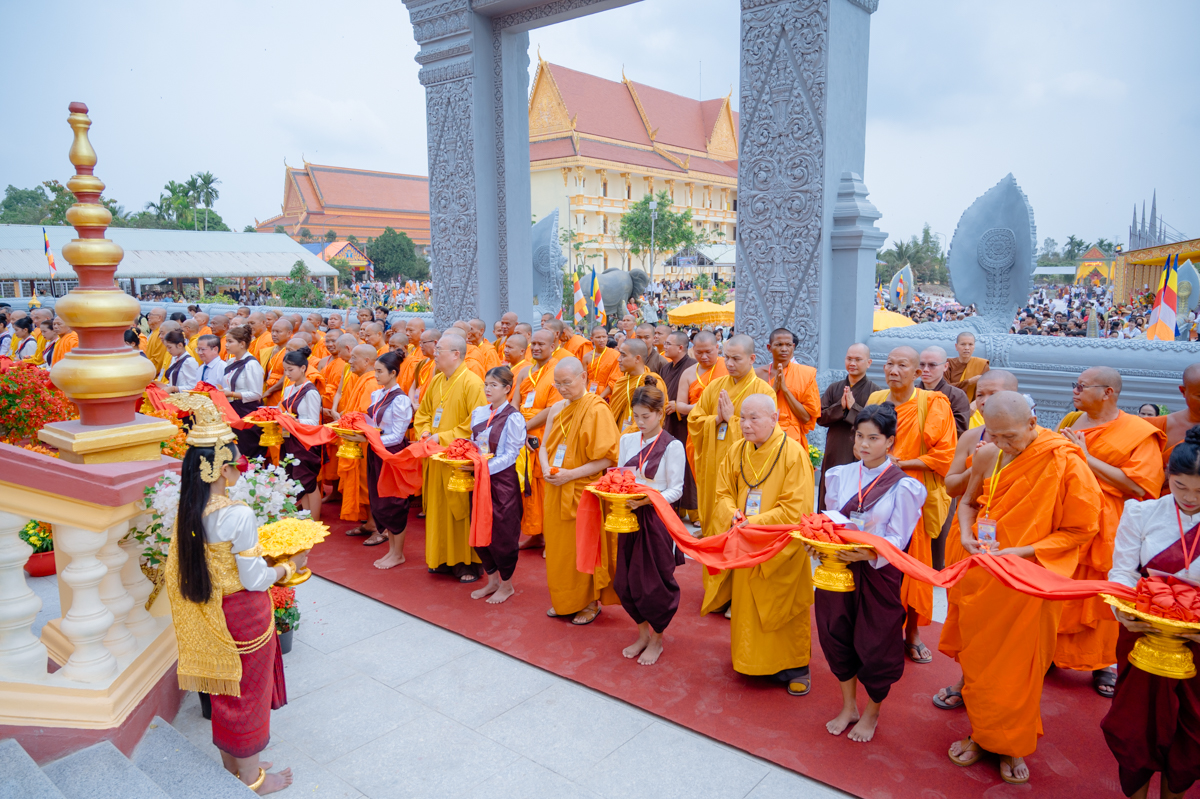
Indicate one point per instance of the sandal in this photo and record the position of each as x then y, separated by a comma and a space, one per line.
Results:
377, 538
946, 704
914, 653
360, 530
1012, 769
795, 686
970, 755
1106, 678
588, 619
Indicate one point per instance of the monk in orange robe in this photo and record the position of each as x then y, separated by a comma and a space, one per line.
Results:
220, 326
924, 448
1125, 453
709, 366
514, 357
476, 331
634, 374
261, 333
573, 343
508, 326
372, 333
600, 361
534, 398
338, 379
319, 350
281, 333
425, 368
581, 442
795, 387
1176, 425
68, 340
352, 472
1045, 504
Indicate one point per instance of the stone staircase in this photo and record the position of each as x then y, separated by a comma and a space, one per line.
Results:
164, 765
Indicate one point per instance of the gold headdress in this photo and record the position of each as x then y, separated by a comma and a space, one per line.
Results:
209, 429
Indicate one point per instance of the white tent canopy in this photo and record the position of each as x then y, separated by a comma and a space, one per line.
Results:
160, 254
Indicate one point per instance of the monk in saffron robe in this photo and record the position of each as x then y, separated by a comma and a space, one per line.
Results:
1044, 502
319, 350
634, 374
965, 370
1176, 424
155, 350
1125, 453
372, 333
445, 413
795, 387
601, 364
714, 425
352, 472
535, 395
708, 367
766, 478
338, 379
220, 326
68, 340
508, 326
514, 357
487, 352
281, 332
924, 448
261, 333
312, 373
573, 343
581, 442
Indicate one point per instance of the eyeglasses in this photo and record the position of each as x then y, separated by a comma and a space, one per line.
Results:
1081, 387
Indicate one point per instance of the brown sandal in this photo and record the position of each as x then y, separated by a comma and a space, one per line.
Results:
360, 530
378, 537
1012, 769
971, 754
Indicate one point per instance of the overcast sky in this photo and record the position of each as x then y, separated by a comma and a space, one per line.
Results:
1090, 104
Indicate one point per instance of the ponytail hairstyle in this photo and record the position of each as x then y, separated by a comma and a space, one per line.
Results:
132, 338
649, 396
882, 416
195, 584
391, 361
502, 375
1185, 458
298, 357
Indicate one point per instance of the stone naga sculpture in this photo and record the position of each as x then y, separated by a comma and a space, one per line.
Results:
548, 261
617, 286
992, 255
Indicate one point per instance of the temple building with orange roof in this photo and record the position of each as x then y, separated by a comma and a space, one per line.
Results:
597, 146
351, 202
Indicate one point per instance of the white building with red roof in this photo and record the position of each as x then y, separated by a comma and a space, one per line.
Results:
596, 146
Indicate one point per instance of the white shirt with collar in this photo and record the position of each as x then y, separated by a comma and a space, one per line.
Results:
309, 409
396, 417
893, 517
668, 479
212, 373
249, 382
1148, 527
512, 437
188, 375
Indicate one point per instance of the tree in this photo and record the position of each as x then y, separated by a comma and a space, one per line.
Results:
279, 229
331, 235
192, 186
672, 231
923, 254
208, 192
353, 240
305, 234
1075, 247
23, 206
395, 256
343, 267
1105, 246
1050, 249
299, 291
249, 229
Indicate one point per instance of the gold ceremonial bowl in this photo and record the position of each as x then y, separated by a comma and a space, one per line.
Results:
620, 518
352, 450
460, 482
832, 574
272, 433
1165, 651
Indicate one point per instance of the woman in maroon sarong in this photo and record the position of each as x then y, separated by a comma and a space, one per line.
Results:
646, 558
217, 583
243, 385
499, 429
391, 411
302, 399
862, 631
1154, 722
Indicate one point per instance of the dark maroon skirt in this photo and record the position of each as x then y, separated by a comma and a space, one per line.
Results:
390, 513
308, 469
645, 579
507, 512
241, 725
248, 439
862, 631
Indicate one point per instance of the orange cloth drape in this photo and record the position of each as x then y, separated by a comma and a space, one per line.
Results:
63, 346
802, 382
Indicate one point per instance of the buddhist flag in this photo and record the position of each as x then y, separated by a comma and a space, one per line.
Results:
1162, 317
580, 303
597, 300
49, 254
558, 315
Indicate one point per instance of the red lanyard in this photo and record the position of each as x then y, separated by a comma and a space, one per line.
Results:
492, 415
887, 465
1188, 554
645, 453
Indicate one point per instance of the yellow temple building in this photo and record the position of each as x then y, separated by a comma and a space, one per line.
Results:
1095, 267
596, 146
1138, 271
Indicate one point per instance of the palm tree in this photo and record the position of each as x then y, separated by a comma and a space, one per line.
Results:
1074, 247
159, 208
209, 193
193, 195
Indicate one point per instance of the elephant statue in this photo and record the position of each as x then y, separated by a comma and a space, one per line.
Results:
617, 286
548, 261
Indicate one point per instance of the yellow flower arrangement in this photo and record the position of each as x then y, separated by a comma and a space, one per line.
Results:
289, 536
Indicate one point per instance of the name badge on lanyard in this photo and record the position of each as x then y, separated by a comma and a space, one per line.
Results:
483, 444
437, 417
560, 455
860, 520
753, 502
529, 399
987, 532
722, 428
592, 387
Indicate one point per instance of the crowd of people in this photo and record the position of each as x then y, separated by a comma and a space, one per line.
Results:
944, 461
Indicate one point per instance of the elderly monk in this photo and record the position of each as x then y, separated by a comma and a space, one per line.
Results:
714, 424
933, 369
191, 331
766, 478
840, 404
398, 342
508, 326
445, 413
1176, 424
633, 374
1037, 489
352, 472
654, 361
924, 448
68, 340
600, 362
535, 394
220, 326
795, 387
281, 333
581, 442
709, 366
964, 371
573, 343
155, 350
1125, 453
515, 345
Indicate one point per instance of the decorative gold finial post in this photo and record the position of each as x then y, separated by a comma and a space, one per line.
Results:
102, 375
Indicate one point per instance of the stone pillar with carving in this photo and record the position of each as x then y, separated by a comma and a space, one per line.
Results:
854, 240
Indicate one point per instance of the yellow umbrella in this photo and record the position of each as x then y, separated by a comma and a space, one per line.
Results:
729, 306
885, 319
701, 312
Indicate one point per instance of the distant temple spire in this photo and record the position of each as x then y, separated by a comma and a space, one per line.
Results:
1150, 232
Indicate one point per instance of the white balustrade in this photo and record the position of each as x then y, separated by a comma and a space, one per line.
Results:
139, 621
22, 655
87, 621
119, 640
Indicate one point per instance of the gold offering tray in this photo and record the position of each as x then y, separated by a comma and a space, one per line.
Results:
832, 574
1164, 652
620, 518
460, 482
352, 450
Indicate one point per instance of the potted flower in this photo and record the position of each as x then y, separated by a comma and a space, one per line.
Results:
287, 615
39, 536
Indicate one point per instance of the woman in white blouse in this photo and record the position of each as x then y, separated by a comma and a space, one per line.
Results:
1154, 723
644, 579
391, 411
302, 399
243, 384
499, 429
862, 631
183, 371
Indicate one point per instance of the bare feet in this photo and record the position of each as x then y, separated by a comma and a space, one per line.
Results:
653, 650
838, 725
502, 593
643, 640
389, 561
493, 583
864, 730
275, 782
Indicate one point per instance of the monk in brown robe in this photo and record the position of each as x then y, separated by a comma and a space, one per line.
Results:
634, 373
795, 387
678, 364
1044, 502
535, 395
964, 371
581, 441
1125, 453
840, 404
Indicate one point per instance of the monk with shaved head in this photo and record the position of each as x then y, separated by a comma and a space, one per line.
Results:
515, 346
708, 367
508, 326
1031, 495
581, 441
634, 374
352, 472
1176, 424
1124, 451
272, 361
840, 404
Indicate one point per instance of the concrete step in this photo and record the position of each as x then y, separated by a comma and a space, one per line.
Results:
101, 772
180, 769
20, 778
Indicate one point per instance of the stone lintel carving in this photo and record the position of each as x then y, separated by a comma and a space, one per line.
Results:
781, 171
453, 71
437, 20
428, 56
548, 12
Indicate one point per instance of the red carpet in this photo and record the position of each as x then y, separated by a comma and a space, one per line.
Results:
694, 684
